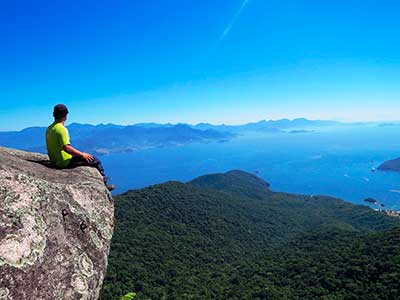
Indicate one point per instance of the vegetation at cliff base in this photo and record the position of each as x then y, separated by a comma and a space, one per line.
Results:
228, 236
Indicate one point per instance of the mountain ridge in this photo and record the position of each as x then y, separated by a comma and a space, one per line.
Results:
110, 138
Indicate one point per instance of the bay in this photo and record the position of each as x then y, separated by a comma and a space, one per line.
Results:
335, 161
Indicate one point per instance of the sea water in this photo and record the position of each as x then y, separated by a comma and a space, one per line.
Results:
337, 162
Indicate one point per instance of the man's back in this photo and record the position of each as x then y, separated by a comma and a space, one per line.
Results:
56, 138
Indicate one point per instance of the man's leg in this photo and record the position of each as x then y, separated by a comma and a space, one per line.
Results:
96, 163
80, 161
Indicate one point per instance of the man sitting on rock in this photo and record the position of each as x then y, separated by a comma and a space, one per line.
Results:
60, 151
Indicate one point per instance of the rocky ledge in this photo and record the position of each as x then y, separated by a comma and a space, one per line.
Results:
55, 229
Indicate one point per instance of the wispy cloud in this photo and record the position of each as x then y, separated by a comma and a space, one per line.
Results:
234, 19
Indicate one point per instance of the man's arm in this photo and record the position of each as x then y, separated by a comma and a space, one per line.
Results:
75, 152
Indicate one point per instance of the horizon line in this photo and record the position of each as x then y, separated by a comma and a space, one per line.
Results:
220, 124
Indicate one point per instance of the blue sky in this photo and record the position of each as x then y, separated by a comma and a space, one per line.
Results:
217, 61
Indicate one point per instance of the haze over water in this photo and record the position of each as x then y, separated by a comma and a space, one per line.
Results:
332, 161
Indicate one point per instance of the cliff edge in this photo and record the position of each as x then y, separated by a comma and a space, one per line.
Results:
55, 229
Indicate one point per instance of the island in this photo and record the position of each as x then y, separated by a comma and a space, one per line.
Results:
390, 165
301, 131
371, 200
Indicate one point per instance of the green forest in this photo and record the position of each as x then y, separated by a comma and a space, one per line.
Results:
228, 236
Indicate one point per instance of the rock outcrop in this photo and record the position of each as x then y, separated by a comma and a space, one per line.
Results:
55, 229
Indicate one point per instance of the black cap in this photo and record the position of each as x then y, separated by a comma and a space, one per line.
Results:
60, 111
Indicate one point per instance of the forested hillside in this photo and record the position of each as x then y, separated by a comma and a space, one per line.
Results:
213, 238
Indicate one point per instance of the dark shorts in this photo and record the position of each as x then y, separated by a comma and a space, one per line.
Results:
77, 161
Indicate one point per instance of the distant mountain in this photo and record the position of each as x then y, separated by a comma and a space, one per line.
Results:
271, 125
110, 138
228, 236
390, 165
261, 126
388, 124
154, 125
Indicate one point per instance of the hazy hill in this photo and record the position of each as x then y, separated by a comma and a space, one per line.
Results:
108, 138
263, 125
227, 236
111, 138
271, 125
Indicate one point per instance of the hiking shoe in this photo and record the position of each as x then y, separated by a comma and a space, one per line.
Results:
110, 187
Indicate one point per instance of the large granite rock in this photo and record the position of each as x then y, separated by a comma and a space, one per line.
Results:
55, 229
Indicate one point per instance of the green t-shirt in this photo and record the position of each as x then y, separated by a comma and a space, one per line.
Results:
56, 138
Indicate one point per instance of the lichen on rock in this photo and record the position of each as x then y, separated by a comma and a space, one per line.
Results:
55, 229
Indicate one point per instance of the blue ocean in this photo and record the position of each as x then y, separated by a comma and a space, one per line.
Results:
338, 162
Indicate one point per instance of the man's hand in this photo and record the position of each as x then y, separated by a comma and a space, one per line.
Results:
87, 156
75, 152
